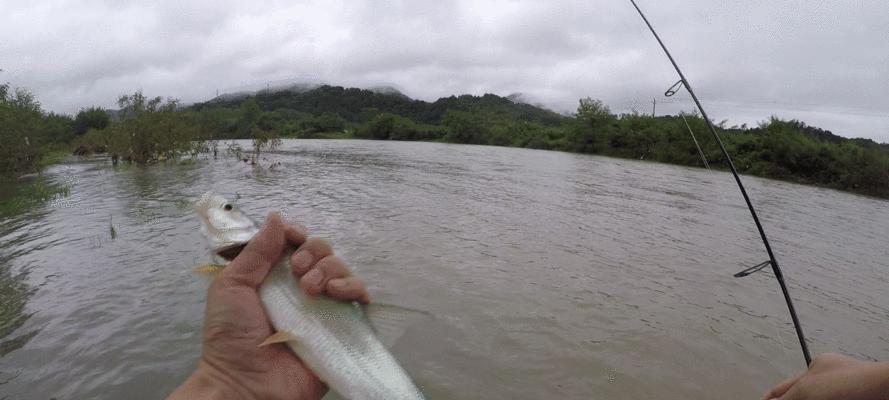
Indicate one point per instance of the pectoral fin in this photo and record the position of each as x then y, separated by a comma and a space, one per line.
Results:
390, 322
211, 269
278, 337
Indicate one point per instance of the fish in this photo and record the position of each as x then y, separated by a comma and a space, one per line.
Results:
337, 340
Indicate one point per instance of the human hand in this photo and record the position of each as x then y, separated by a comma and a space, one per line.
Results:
235, 323
833, 376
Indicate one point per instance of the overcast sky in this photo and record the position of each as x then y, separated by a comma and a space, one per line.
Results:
826, 64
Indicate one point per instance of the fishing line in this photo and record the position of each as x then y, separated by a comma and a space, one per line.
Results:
772, 261
669, 93
701, 152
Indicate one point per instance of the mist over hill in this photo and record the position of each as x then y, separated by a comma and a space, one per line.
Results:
354, 104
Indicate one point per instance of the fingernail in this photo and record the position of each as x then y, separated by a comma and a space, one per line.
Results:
313, 278
338, 283
301, 260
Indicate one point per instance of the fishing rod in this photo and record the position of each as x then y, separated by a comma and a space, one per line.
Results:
772, 261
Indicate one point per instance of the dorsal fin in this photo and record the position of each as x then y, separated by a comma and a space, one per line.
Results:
390, 321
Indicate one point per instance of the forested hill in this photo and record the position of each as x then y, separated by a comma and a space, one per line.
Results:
357, 105
781, 149
150, 130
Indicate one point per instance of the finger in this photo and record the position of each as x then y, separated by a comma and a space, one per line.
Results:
310, 386
308, 254
295, 232
252, 265
350, 288
301, 380
327, 268
795, 393
782, 388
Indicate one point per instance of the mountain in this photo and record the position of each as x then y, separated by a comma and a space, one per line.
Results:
354, 104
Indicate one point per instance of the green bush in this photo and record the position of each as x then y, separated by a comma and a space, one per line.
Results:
151, 130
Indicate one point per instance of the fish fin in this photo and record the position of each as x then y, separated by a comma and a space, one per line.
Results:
278, 337
390, 322
211, 269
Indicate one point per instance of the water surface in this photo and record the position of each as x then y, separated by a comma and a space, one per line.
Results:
550, 275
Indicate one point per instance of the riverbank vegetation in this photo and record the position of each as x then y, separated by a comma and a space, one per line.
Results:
146, 130
28, 135
150, 130
788, 150
31, 139
15, 198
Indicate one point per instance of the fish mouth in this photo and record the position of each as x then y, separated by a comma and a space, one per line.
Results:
231, 251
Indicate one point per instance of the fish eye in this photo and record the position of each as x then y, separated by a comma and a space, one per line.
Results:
227, 207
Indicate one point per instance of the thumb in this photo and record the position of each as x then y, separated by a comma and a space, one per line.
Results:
793, 394
782, 388
252, 265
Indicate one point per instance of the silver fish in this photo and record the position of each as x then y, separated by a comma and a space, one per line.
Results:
334, 339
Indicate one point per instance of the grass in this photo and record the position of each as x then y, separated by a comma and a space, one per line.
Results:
21, 196
54, 157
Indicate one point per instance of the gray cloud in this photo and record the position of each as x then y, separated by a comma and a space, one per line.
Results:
823, 62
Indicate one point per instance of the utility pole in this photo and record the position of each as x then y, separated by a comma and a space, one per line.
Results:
653, 105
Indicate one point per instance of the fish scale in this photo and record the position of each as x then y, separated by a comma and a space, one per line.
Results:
333, 338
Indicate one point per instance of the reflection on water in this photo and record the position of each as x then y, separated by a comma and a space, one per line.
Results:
21, 209
550, 274
15, 293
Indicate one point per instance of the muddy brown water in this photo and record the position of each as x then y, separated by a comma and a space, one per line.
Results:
550, 275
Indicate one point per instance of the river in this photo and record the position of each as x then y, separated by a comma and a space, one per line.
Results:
549, 275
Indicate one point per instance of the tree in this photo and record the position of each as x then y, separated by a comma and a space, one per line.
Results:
464, 127
250, 114
152, 130
380, 127
326, 122
90, 118
590, 110
262, 139
23, 132
590, 128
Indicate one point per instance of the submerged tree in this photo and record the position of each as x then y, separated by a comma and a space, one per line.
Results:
151, 130
262, 140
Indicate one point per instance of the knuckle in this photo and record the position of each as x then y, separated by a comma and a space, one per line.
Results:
826, 358
356, 283
318, 246
311, 288
223, 282
345, 285
334, 267
221, 330
330, 263
230, 281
